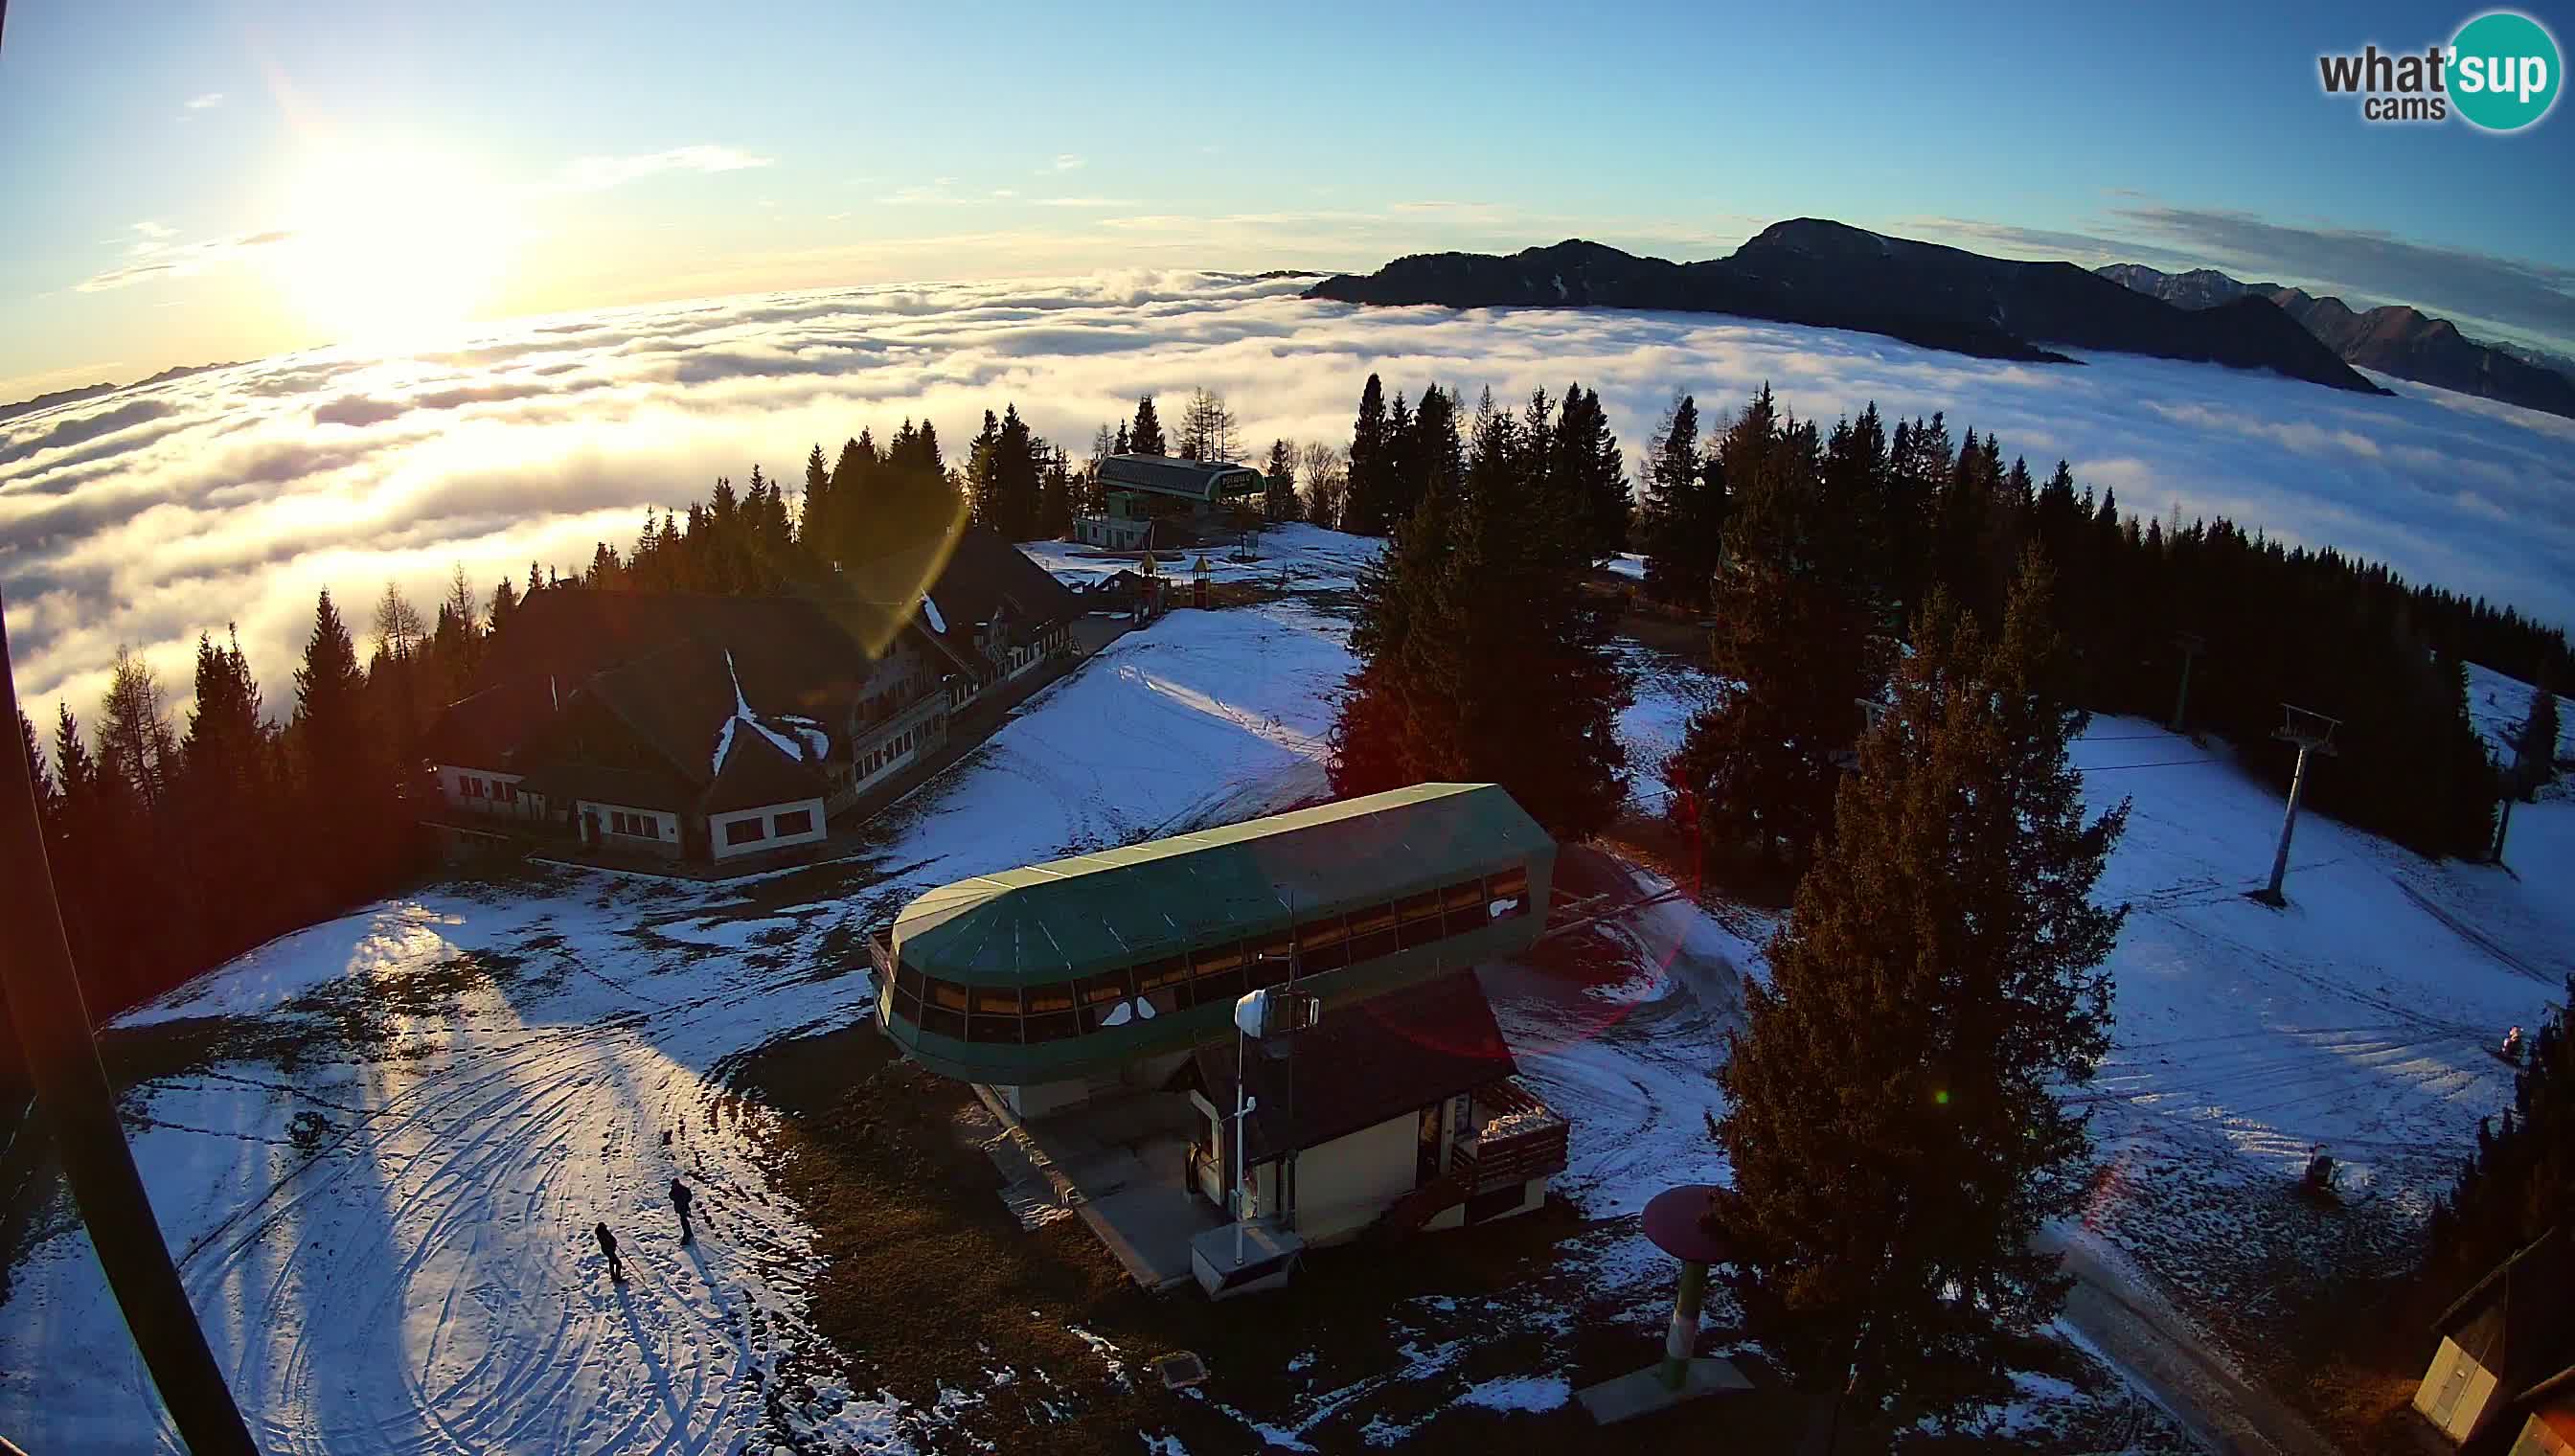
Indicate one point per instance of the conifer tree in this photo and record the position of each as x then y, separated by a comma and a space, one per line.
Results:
1145, 437
1682, 510
1479, 655
49, 796
86, 850
344, 780
1279, 500
1758, 768
2519, 1182
1585, 458
1892, 1116
1017, 472
2535, 746
1056, 495
1365, 509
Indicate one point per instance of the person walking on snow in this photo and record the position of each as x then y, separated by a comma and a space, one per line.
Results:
680, 1201
608, 1246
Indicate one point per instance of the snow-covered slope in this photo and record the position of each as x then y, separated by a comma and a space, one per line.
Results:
380, 1165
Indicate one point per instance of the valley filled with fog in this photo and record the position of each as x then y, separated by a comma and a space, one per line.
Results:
230, 496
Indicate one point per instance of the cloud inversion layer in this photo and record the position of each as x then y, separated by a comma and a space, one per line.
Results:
232, 496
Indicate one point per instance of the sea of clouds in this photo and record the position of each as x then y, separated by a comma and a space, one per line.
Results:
229, 497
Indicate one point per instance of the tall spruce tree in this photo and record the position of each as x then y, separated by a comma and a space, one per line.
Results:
1365, 506
2535, 745
1893, 1119
1584, 459
1791, 649
1479, 655
1279, 500
1146, 436
1682, 510
345, 775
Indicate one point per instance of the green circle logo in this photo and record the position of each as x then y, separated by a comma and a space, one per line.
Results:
2504, 71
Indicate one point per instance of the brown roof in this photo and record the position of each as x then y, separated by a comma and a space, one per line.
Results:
1366, 1062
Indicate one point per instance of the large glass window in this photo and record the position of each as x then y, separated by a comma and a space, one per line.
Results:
1099, 995
1323, 945
1372, 933
996, 1014
1420, 917
1218, 974
943, 1010
1165, 982
1464, 905
1049, 1012
743, 831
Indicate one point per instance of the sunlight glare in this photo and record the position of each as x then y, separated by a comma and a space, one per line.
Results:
392, 244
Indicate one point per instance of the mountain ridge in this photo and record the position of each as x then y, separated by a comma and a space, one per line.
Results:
79, 393
1819, 273
2394, 338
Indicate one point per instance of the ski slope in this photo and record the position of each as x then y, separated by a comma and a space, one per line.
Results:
379, 1145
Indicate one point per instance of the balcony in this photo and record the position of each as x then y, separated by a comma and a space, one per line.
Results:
1515, 1138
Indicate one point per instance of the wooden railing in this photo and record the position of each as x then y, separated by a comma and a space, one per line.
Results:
881, 957
1535, 1146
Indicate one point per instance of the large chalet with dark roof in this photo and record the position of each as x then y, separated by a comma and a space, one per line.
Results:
710, 727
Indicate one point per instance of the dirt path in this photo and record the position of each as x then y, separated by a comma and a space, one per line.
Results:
2136, 1330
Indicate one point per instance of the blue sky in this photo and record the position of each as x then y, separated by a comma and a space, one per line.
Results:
226, 180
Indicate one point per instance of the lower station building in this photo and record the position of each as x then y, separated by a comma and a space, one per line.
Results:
1156, 501
1083, 981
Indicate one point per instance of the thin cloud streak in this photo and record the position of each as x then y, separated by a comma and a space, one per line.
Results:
161, 260
598, 174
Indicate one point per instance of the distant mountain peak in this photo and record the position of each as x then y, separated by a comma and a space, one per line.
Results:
1817, 272
2394, 338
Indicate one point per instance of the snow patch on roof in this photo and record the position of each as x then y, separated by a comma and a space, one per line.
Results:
811, 745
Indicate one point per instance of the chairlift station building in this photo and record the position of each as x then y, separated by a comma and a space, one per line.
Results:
1161, 501
1118, 972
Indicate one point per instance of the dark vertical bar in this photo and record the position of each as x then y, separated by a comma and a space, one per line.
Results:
72, 1095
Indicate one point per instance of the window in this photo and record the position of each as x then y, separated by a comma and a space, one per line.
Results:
1372, 933
744, 831
798, 822
1049, 1012
1421, 916
1507, 893
943, 1011
1165, 983
1321, 945
509, 793
1218, 971
1099, 995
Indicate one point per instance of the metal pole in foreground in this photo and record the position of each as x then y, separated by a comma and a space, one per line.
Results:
1681, 1337
72, 1095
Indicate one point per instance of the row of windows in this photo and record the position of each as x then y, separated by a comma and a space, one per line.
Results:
794, 822
641, 826
1218, 973
492, 788
894, 747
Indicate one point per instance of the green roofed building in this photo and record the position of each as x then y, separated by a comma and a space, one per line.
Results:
1063, 974
1159, 501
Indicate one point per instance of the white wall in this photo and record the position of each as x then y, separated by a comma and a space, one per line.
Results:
769, 837
451, 788
1342, 1185
667, 842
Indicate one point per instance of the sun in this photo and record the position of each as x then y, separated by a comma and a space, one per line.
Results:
391, 245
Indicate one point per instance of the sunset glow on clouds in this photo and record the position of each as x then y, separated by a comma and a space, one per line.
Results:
146, 515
